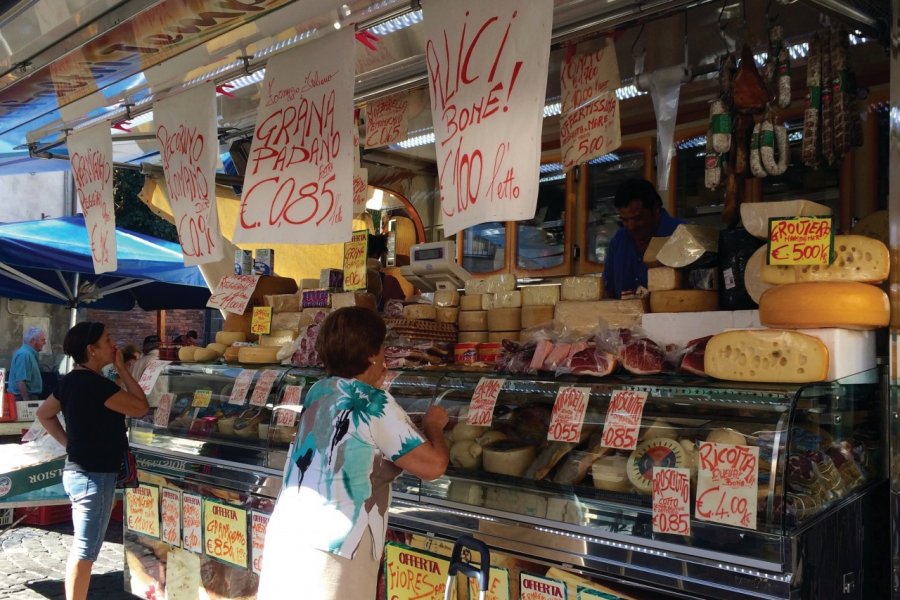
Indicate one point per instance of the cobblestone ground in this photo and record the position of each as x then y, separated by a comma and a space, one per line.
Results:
33, 563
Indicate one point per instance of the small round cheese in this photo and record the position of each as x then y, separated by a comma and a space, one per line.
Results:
186, 353
231, 354
656, 452
227, 338
609, 473
220, 348
204, 355
507, 457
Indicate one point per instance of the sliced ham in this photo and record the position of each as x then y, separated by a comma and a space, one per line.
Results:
557, 356
541, 352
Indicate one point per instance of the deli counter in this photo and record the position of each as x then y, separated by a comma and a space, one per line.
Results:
713, 490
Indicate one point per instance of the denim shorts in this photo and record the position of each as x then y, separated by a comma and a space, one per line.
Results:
92, 496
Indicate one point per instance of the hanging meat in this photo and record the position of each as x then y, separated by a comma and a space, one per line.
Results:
750, 91
811, 151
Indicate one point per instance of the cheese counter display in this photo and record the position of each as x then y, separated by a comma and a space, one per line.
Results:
686, 484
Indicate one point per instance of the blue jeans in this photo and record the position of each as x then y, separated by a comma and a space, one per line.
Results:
92, 496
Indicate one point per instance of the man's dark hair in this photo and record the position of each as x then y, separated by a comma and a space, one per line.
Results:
151, 342
192, 334
637, 189
377, 246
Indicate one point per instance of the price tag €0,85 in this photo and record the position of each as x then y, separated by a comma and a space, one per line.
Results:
567, 417
623, 419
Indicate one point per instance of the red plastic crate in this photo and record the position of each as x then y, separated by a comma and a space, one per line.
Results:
118, 512
46, 515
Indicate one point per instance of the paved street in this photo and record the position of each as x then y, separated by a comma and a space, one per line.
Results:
33, 562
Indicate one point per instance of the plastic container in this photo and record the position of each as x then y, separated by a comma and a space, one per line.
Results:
465, 353
488, 352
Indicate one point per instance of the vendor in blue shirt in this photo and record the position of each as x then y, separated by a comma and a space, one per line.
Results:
642, 216
24, 371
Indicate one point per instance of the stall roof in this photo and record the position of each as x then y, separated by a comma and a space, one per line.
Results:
50, 261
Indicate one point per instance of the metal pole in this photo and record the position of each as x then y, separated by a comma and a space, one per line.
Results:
73, 315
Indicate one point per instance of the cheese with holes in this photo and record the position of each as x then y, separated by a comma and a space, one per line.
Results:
499, 336
753, 281
540, 295
277, 337
581, 288
257, 354
650, 258
445, 298
511, 299
766, 355
536, 315
473, 320
584, 317
470, 302
477, 337
755, 215
227, 338
676, 301
856, 258
504, 319
446, 314
663, 278
847, 304
687, 244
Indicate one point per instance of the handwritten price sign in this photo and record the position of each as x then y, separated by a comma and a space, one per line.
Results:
201, 398
535, 587
299, 181
801, 241
171, 516
355, 261
241, 386
567, 416
151, 374
672, 500
142, 509
487, 70
484, 398
90, 152
192, 522
286, 417
414, 575
623, 419
261, 320
233, 293
263, 387
258, 524
225, 532
386, 120
163, 410
360, 189
727, 483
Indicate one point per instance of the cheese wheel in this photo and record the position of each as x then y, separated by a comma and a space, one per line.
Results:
219, 348
499, 336
663, 278
473, 336
539, 295
581, 288
726, 435
755, 215
652, 250
846, 304
204, 355
470, 302
677, 301
257, 354
507, 458
424, 312
487, 301
277, 338
536, 315
227, 338
753, 281
504, 319
473, 320
186, 353
857, 258
446, 314
766, 355
446, 298
656, 452
609, 473
231, 354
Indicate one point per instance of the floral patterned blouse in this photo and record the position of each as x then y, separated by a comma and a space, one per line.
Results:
338, 479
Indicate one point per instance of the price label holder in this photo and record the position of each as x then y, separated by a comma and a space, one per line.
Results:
623, 419
201, 398
672, 500
727, 484
261, 320
567, 417
801, 241
484, 399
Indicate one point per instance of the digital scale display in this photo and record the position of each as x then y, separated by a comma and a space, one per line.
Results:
429, 253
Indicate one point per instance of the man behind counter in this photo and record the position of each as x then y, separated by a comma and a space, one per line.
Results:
642, 216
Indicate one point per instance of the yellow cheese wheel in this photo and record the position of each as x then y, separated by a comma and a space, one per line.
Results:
227, 338
204, 354
856, 258
186, 353
504, 319
846, 304
470, 302
257, 354
534, 315
473, 320
473, 336
231, 354
219, 348
677, 301
609, 473
766, 355
446, 314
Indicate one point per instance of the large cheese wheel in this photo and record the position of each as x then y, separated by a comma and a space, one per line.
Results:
856, 258
504, 319
227, 338
446, 314
473, 320
766, 355
656, 452
257, 354
186, 353
473, 336
846, 304
204, 354
470, 302
419, 311
507, 458
677, 301
536, 315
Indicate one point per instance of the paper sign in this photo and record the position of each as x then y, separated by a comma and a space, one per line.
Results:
263, 387
258, 524
589, 126
241, 387
801, 241
672, 500
90, 153
188, 142
623, 419
142, 508
536, 587
498, 585
225, 532
386, 120
151, 374
389, 378
481, 407
192, 522
568, 414
171, 516
727, 483
261, 320
487, 74
355, 261
589, 594
299, 180
233, 293
413, 574
163, 410
201, 398
360, 190
291, 397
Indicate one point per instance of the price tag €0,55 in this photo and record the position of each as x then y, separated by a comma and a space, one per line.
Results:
567, 417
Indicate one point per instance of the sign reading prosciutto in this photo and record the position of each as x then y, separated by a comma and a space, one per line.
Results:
188, 143
90, 152
299, 181
487, 73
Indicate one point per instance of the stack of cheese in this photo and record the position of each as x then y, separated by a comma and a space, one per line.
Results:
581, 308
490, 310
675, 283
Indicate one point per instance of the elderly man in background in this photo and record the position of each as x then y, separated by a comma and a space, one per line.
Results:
24, 371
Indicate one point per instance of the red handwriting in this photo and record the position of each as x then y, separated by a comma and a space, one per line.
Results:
672, 482
100, 245
798, 230
735, 466
583, 78
386, 120
716, 504
92, 167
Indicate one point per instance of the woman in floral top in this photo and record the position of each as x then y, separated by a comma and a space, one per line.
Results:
326, 535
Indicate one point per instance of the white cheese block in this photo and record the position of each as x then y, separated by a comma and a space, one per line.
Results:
342, 299
507, 458
581, 288
663, 278
609, 473
540, 295
473, 320
477, 337
755, 215
856, 258
511, 299
650, 254
424, 312
504, 319
584, 317
850, 351
257, 354
502, 282
499, 336
470, 302
687, 244
446, 314
444, 298
277, 337
766, 355
487, 301
292, 320
675, 301
227, 338
476, 286
680, 328
535, 315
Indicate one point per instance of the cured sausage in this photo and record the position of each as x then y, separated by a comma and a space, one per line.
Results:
772, 137
827, 99
750, 92
810, 149
713, 164
756, 167
720, 126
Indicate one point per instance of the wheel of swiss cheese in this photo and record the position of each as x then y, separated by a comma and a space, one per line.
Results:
766, 355
658, 452
857, 258
846, 304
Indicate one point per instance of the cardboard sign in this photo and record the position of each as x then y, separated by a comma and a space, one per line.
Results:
355, 261
589, 594
536, 587
192, 522
589, 126
360, 190
672, 500
188, 142
567, 416
151, 374
288, 417
163, 410
201, 398
623, 419
487, 74
90, 153
413, 574
171, 516
241, 386
386, 120
225, 532
233, 293
727, 484
498, 585
142, 510
484, 398
258, 524
299, 180
261, 320
801, 241
263, 387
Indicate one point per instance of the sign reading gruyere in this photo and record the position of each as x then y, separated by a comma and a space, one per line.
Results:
261, 320
258, 524
484, 398
536, 587
567, 417
233, 293
192, 522
801, 241
672, 500
413, 574
142, 509
355, 261
171, 516
727, 484
623, 419
225, 532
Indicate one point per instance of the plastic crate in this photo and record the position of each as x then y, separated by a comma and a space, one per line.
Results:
45, 515
118, 513
6, 516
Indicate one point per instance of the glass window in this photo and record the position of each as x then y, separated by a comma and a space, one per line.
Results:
605, 174
483, 247
540, 241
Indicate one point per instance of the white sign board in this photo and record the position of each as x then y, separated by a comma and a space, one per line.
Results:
90, 152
